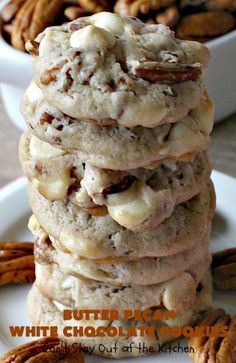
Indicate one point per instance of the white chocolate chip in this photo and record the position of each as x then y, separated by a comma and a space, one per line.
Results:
35, 228
56, 189
186, 135
50, 36
33, 93
92, 37
43, 150
108, 21
203, 114
79, 246
69, 282
135, 211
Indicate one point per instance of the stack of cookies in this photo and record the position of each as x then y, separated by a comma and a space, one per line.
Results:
116, 154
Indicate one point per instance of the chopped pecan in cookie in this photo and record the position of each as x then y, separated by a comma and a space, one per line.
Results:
49, 76
46, 118
158, 72
124, 184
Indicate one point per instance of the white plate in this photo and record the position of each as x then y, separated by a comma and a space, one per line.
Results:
14, 212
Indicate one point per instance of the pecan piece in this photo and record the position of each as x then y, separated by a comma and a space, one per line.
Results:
224, 269
205, 25
94, 6
215, 349
46, 118
101, 122
16, 263
96, 211
46, 350
124, 184
160, 72
136, 7
49, 76
33, 47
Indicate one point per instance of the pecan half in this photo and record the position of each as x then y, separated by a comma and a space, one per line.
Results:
205, 25
32, 18
7, 28
215, 349
47, 350
224, 269
16, 263
169, 17
136, 7
20, 29
161, 72
124, 184
74, 12
10, 9
221, 4
94, 6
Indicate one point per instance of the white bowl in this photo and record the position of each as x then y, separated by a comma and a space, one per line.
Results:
16, 73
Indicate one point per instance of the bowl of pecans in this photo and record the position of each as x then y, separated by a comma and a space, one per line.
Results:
210, 21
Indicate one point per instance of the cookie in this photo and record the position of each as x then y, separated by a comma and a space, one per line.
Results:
121, 64
81, 293
43, 311
139, 200
117, 147
101, 237
143, 271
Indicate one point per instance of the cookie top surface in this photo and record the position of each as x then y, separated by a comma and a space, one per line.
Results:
115, 67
